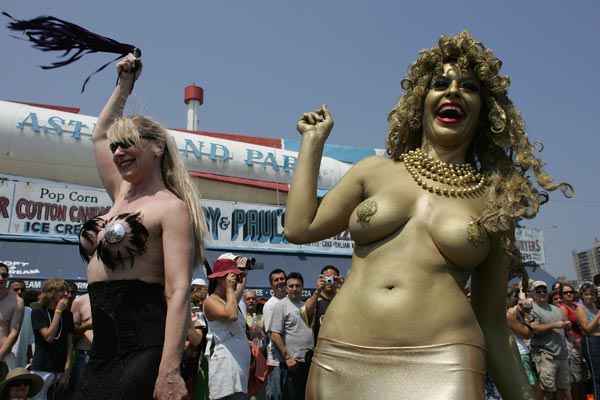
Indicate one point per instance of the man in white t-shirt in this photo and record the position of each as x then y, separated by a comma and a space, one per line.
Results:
293, 338
274, 384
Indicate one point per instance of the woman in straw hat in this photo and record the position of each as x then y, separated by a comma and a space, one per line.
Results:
20, 384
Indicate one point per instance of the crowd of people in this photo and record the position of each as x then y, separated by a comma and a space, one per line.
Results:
556, 331
237, 346
42, 336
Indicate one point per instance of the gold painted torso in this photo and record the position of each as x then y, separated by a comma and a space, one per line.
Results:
411, 262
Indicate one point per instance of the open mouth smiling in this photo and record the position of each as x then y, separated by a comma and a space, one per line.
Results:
450, 113
125, 163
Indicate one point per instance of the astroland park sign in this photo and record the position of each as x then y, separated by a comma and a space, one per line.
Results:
53, 211
38, 136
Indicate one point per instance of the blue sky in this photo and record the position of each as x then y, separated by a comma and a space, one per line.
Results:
263, 63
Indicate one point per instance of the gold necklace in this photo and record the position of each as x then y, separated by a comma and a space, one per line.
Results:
422, 167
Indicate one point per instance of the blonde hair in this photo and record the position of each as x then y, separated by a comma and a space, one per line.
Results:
173, 171
500, 149
49, 290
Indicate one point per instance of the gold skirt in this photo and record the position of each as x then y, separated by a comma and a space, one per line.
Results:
448, 371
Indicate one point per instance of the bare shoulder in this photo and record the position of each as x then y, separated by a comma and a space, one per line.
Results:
369, 165
169, 205
210, 305
375, 161
19, 301
11, 302
14, 299
80, 301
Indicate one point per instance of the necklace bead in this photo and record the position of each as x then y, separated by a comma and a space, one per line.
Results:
420, 165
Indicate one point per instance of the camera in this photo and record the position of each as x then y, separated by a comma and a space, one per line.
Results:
252, 264
527, 305
329, 280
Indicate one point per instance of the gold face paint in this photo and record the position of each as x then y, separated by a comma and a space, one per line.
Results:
366, 210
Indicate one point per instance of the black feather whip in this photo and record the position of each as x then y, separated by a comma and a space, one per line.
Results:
49, 33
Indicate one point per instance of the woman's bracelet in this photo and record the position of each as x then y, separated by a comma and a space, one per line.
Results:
58, 311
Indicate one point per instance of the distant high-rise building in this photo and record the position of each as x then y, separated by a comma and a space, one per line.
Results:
587, 262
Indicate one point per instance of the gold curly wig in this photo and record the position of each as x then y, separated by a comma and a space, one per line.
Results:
500, 149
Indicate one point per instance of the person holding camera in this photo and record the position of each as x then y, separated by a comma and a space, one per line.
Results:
229, 363
518, 316
327, 286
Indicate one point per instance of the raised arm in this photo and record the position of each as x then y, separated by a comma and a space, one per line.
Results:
307, 312
488, 299
305, 219
113, 109
228, 311
49, 333
519, 324
241, 262
178, 250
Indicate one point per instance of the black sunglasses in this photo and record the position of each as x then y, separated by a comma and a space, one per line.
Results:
541, 291
125, 144
19, 382
4, 275
568, 292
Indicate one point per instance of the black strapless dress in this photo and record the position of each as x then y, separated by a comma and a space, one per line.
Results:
128, 319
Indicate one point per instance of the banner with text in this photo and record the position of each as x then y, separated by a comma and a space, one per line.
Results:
51, 210
530, 242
